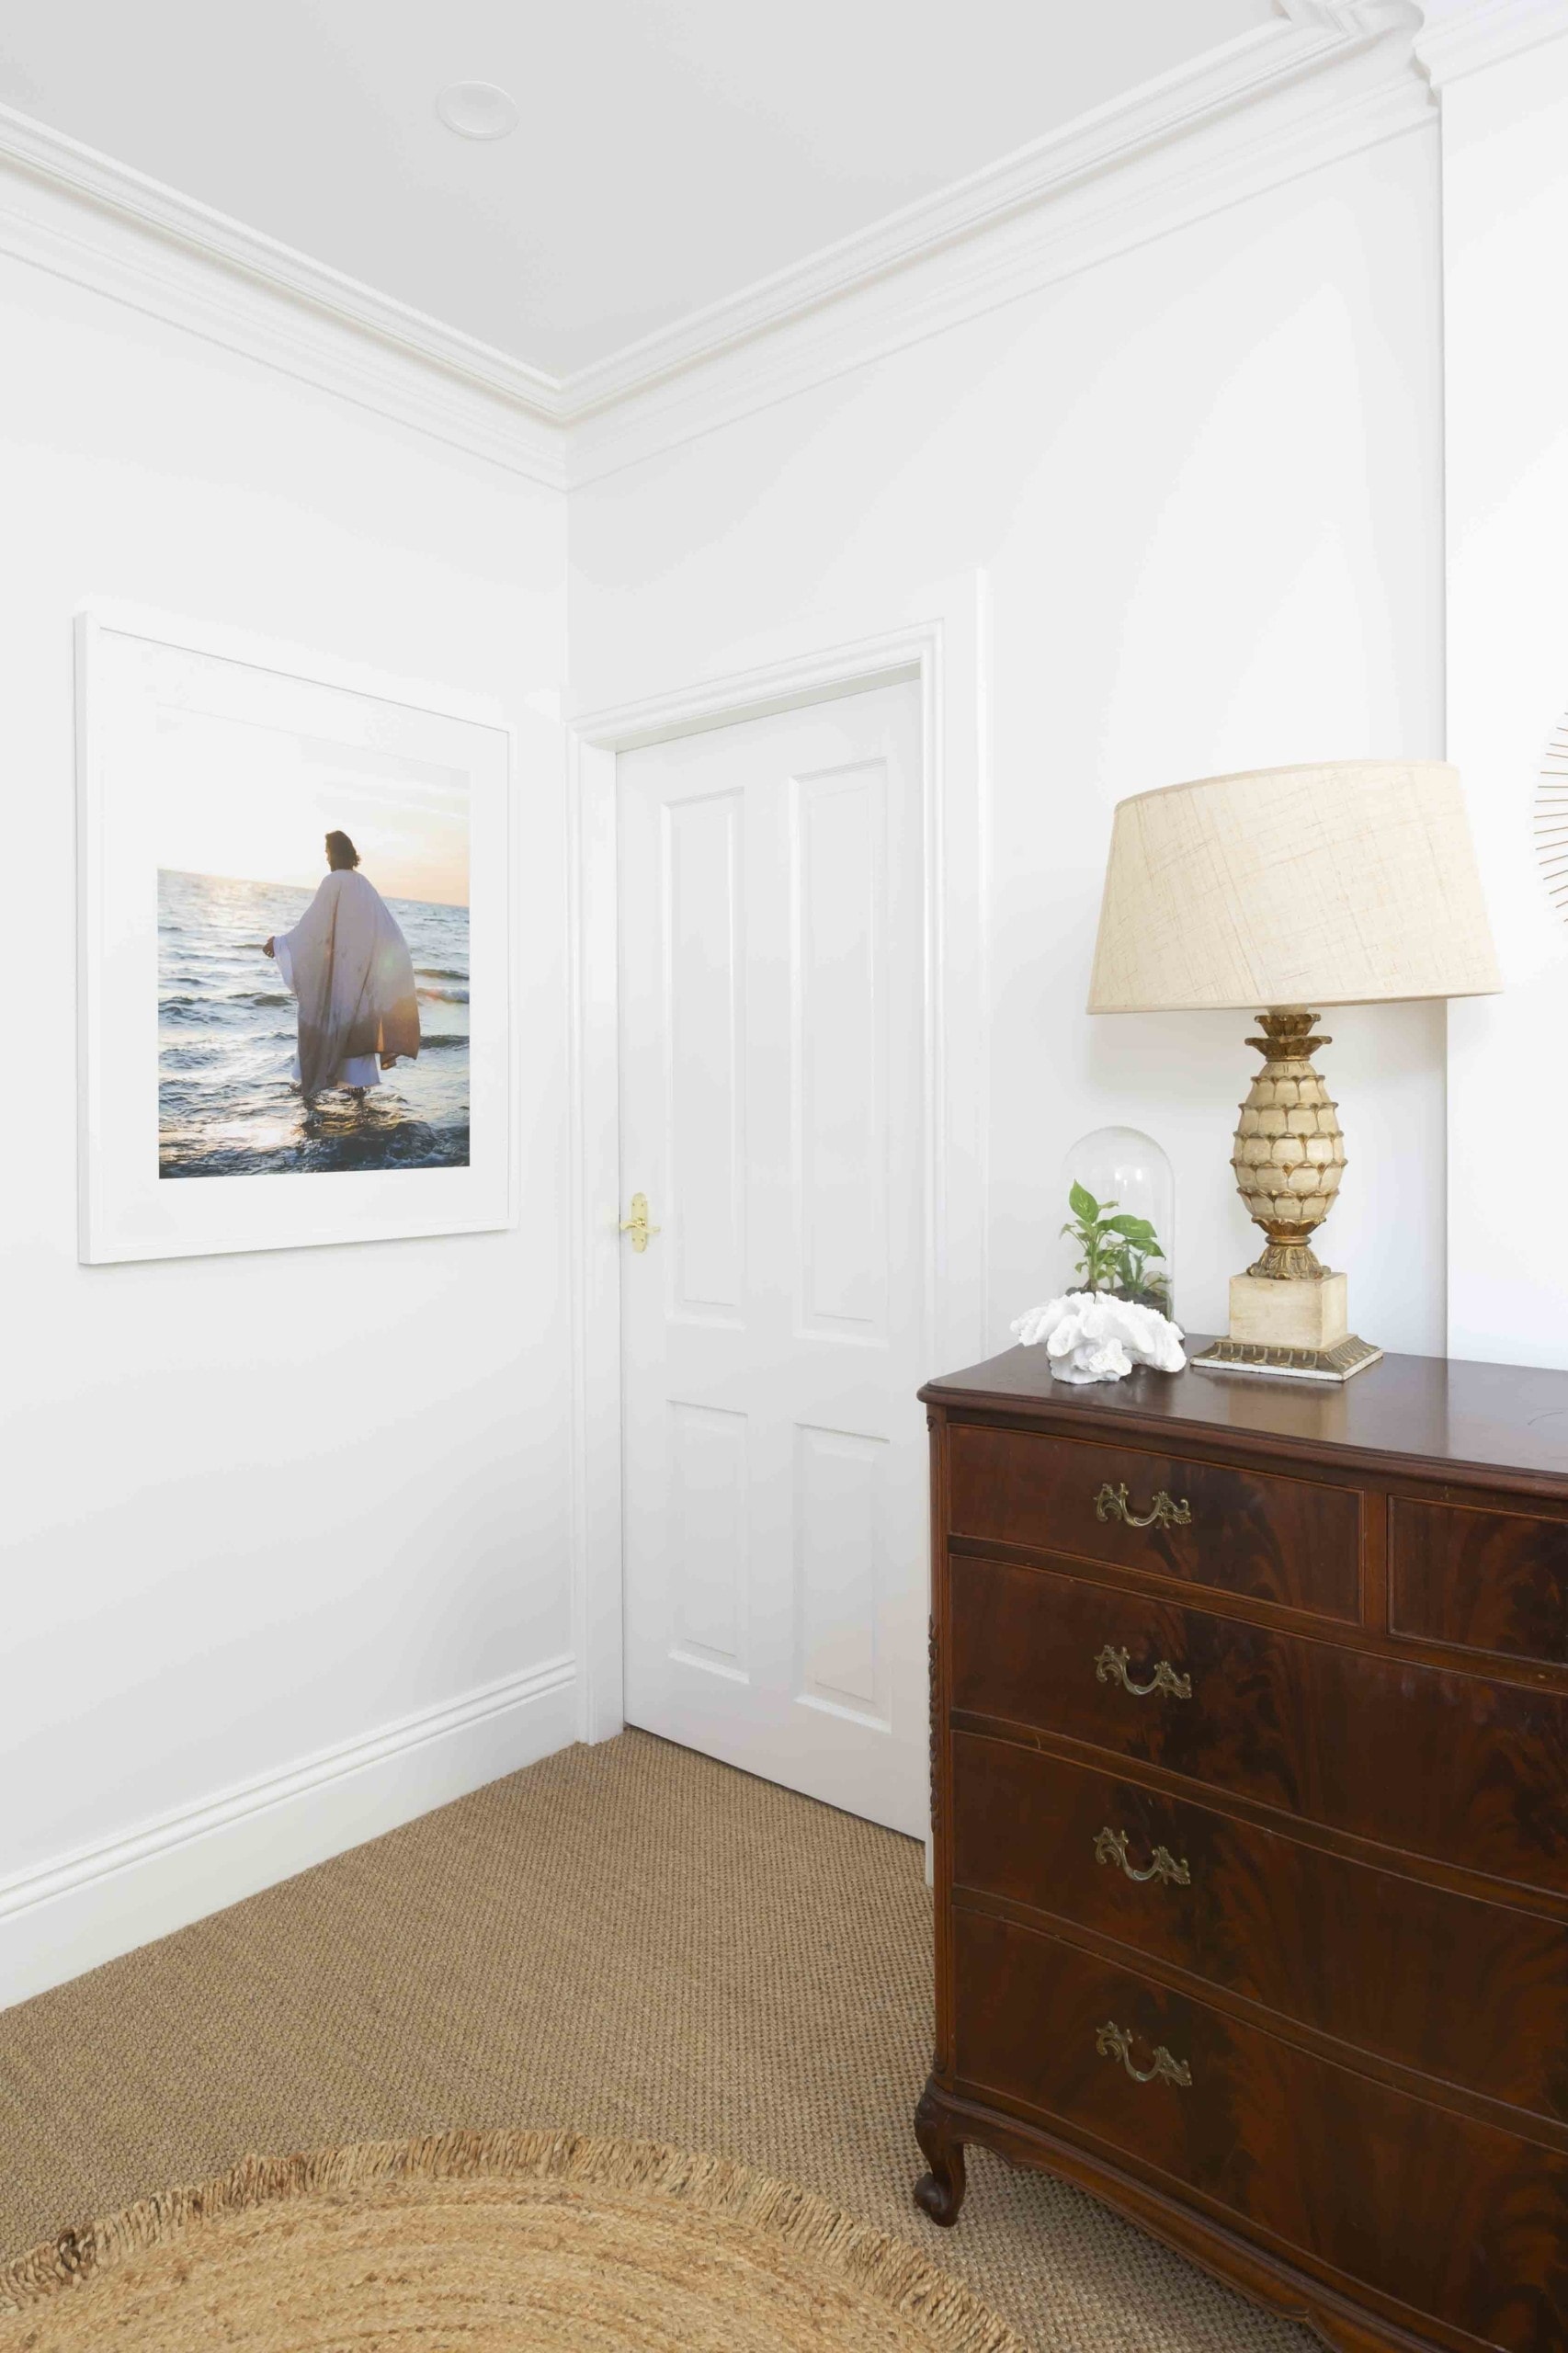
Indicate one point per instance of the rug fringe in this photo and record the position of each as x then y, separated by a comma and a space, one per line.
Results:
898, 2274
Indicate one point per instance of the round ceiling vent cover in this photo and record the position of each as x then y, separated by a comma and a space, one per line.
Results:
477, 109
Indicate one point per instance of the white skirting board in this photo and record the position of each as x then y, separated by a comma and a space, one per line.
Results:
68, 1916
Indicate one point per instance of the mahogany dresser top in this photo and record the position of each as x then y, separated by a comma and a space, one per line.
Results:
1472, 1424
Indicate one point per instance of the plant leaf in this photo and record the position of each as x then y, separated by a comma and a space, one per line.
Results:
1136, 1229
1082, 1204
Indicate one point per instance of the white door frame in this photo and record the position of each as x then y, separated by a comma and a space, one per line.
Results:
938, 638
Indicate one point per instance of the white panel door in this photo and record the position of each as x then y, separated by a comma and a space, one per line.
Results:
772, 1069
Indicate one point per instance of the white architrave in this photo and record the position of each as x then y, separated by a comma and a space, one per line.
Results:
939, 639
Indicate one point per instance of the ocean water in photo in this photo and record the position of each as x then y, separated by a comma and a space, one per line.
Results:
227, 1034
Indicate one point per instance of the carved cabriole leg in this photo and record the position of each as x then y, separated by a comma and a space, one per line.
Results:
940, 2191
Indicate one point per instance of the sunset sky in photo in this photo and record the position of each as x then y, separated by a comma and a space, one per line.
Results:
253, 802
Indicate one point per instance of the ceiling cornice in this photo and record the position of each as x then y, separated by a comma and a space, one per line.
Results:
79, 241
1458, 37
1327, 77
1353, 19
48, 154
1331, 95
1155, 115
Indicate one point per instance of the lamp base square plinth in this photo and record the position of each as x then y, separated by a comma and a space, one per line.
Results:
1342, 1361
1298, 1329
1272, 1313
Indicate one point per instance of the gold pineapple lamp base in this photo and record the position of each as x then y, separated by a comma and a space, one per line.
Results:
1290, 1316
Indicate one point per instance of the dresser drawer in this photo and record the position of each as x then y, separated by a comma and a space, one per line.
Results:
1288, 1541
1471, 1992
1491, 1580
1434, 2211
1439, 1763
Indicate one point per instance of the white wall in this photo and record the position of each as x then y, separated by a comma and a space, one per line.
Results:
286, 1536
1205, 481
299, 1509
1505, 210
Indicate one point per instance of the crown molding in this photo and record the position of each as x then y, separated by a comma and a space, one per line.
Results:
1155, 115
1324, 79
75, 239
1458, 37
1327, 93
35, 147
1353, 19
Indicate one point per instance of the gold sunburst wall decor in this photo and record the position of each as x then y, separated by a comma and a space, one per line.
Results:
1549, 819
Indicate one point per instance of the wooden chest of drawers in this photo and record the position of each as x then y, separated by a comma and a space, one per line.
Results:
1250, 1787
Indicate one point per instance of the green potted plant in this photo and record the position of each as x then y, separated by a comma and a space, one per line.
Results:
1116, 1251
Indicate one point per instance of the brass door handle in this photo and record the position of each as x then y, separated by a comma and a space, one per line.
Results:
1110, 1846
1111, 1668
1111, 1502
637, 1224
1114, 2041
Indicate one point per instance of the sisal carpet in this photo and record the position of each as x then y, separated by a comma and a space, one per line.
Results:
503, 2242
626, 1942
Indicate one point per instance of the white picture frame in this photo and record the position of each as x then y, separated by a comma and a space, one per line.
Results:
130, 662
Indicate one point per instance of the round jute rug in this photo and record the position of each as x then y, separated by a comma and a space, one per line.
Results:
487, 2243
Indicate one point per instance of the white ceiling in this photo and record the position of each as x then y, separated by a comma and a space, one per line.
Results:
671, 152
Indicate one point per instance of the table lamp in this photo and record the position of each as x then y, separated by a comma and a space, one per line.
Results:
1291, 889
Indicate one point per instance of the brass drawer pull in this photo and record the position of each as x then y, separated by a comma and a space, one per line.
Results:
1114, 2041
1111, 1668
1163, 1512
1111, 1846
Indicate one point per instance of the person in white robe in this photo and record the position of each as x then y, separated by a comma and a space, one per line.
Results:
348, 966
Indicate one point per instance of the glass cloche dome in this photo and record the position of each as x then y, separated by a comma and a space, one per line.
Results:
1117, 1201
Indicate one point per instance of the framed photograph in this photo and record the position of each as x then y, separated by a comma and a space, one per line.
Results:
295, 948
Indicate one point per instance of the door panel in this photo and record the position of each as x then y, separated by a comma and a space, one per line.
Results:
839, 868
841, 1579
772, 1029
704, 988
707, 1535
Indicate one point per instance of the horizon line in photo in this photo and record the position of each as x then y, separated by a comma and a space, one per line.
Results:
285, 882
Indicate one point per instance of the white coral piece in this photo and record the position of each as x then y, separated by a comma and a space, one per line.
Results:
1089, 1336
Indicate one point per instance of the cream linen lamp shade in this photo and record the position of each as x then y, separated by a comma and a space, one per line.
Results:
1285, 890
1293, 887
